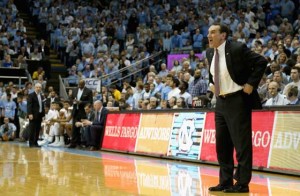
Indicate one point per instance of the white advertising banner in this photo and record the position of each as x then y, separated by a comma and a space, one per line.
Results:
93, 84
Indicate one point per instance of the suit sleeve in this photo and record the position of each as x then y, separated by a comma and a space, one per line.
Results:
257, 65
89, 98
29, 104
209, 55
102, 119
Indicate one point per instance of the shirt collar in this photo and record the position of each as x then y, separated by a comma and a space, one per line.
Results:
221, 48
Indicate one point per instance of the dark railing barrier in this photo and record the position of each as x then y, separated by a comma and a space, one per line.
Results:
45, 64
14, 74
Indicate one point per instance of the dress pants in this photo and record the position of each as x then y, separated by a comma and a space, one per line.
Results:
94, 135
76, 135
234, 131
34, 130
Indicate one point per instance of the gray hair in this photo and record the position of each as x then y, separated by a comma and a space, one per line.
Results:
98, 102
37, 85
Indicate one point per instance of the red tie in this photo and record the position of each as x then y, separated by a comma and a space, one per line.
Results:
216, 76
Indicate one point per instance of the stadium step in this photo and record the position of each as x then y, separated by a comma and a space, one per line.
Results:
57, 68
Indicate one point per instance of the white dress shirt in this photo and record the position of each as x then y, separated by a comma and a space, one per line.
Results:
227, 85
279, 99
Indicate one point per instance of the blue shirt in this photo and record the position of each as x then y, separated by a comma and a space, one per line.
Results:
165, 92
7, 64
9, 108
23, 106
198, 87
176, 42
73, 79
197, 40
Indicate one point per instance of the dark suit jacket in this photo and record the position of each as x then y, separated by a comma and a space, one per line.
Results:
90, 116
33, 106
244, 66
48, 101
25, 54
46, 50
86, 97
102, 121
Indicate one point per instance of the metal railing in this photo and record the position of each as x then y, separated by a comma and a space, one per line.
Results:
62, 89
132, 69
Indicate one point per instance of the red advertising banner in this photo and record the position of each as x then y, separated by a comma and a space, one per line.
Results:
262, 127
208, 149
121, 132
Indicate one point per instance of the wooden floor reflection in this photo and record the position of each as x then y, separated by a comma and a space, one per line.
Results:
50, 171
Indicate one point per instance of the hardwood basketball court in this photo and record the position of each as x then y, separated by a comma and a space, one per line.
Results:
54, 171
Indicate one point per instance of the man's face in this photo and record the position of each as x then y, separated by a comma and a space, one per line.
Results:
277, 77
197, 74
66, 106
274, 67
81, 84
38, 89
52, 94
87, 110
54, 106
272, 89
294, 75
147, 88
168, 80
215, 37
152, 103
129, 91
97, 106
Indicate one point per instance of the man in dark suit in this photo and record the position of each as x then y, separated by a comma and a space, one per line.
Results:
80, 97
90, 115
96, 126
44, 49
36, 111
52, 98
235, 72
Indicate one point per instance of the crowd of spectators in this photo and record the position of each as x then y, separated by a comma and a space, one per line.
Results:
15, 46
110, 40
99, 39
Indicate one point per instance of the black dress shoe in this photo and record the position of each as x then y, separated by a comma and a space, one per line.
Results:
93, 148
34, 146
237, 188
72, 146
219, 187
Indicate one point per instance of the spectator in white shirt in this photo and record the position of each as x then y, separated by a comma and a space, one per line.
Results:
175, 92
276, 99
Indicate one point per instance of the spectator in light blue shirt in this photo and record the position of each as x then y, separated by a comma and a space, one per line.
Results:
73, 79
130, 100
87, 47
9, 107
7, 129
165, 26
197, 38
176, 41
166, 89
